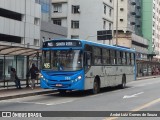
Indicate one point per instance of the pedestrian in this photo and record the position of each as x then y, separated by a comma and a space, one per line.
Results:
15, 78
33, 72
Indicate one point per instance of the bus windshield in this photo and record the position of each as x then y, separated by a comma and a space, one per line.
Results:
62, 60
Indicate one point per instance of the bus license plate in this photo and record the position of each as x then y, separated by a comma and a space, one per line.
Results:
58, 85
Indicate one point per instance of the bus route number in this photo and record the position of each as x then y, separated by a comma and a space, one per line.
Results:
47, 65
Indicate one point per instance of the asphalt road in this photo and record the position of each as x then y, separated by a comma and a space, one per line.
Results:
142, 95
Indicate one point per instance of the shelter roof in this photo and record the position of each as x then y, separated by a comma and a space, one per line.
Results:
7, 48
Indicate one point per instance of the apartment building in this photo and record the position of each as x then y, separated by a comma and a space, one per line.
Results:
19, 34
48, 29
128, 23
151, 25
83, 18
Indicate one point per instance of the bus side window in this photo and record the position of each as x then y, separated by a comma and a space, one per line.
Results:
88, 59
128, 59
105, 56
113, 57
132, 58
119, 57
123, 58
97, 55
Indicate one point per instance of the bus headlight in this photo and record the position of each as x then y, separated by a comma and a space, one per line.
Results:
79, 77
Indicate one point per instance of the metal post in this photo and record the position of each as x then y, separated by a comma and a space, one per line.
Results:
117, 23
4, 62
27, 77
37, 65
16, 63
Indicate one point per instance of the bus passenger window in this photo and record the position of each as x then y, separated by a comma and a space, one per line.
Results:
105, 56
132, 58
113, 57
123, 58
119, 57
128, 59
97, 56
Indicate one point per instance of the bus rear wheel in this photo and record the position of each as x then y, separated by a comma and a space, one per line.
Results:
123, 85
96, 87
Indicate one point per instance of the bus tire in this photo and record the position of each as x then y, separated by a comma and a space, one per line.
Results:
62, 92
96, 87
123, 85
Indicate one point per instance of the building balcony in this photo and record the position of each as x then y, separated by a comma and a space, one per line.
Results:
138, 26
59, 15
138, 16
132, 23
133, 13
133, 3
11, 27
139, 40
59, 1
138, 7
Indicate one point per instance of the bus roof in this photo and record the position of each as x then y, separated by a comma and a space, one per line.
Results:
120, 48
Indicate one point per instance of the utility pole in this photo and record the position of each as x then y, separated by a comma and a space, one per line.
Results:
117, 24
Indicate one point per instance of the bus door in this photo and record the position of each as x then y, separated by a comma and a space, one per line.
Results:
87, 60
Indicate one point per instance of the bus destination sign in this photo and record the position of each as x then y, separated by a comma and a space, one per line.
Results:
62, 44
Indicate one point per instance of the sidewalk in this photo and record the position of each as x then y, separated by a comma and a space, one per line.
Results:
11, 93
24, 92
147, 77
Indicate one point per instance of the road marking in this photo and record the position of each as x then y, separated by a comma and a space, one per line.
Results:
61, 102
147, 105
131, 96
137, 109
38, 103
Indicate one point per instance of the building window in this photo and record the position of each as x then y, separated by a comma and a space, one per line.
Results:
121, 9
57, 21
110, 26
104, 9
57, 8
74, 24
104, 24
36, 21
110, 12
74, 36
75, 9
36, 42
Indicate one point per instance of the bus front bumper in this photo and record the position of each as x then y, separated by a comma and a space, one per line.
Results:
76, 85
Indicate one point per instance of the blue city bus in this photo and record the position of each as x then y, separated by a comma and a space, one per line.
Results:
69, 64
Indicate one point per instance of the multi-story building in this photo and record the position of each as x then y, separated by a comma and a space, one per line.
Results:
151, 25
19, 34
83, 18
128, 23
20, 21
48, 29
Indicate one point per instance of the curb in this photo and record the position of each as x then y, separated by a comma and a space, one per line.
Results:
25, 95
143, 78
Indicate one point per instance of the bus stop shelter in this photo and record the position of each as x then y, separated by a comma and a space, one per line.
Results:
15, 51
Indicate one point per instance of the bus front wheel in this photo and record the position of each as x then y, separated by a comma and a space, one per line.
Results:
96, 87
